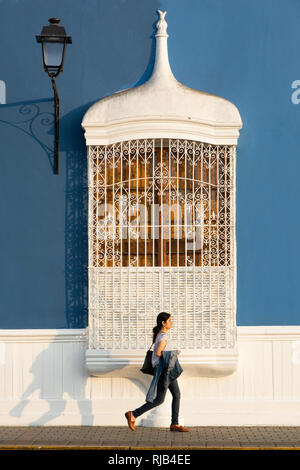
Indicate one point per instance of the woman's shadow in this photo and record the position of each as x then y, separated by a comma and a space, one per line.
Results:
54, 379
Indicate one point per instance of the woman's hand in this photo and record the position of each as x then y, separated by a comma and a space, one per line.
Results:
178, 351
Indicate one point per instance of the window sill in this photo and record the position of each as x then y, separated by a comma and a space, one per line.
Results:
127, 363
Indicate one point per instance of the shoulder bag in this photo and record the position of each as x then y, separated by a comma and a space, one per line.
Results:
147, 366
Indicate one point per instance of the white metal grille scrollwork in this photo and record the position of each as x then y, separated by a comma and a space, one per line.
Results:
161, 238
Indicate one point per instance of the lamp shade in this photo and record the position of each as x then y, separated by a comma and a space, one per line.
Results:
53, 53
53, 39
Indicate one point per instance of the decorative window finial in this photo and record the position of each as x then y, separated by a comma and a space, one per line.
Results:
161, 24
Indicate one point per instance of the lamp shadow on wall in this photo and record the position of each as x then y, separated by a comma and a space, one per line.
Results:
59, 374
35, 119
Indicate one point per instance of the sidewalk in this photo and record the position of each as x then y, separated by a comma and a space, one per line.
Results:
121, 437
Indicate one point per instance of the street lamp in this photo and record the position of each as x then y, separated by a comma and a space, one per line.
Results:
54, 40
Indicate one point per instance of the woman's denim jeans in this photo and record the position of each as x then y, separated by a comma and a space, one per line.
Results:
160, 397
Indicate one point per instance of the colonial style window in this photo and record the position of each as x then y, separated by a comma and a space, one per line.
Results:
161, 165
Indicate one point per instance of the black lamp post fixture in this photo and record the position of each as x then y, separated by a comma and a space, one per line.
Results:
54, 40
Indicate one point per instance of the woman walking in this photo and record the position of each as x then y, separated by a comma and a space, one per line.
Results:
160, 338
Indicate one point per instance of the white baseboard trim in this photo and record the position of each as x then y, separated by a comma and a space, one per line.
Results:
111, 413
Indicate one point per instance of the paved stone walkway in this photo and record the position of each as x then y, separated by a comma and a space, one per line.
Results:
121, 437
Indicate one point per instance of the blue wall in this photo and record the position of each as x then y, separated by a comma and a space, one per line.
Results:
246, 51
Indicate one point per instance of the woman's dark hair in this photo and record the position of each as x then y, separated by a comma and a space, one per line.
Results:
162, 316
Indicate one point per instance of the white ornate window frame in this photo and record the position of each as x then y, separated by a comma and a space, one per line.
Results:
125, 299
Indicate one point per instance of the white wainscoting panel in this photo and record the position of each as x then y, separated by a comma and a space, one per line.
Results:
44, 381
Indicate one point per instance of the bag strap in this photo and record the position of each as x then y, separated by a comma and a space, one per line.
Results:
151, 345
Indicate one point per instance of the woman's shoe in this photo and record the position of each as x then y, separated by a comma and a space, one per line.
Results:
130, 421
176, 427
